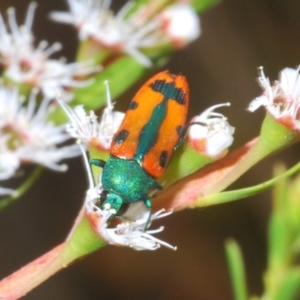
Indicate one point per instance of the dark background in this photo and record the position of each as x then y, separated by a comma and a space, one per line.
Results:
238, 36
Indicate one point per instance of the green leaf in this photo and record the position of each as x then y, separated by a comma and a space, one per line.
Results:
290, 285
185, 161
236, 269
280, 192
293, 206
121, 75
97, 154
279, 241
203, 5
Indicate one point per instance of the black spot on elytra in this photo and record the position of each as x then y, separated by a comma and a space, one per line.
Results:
133, 105
169, 90
180, 97
121, 137
163, 158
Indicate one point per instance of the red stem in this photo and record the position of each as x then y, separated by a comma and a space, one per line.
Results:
210, 179
22, 281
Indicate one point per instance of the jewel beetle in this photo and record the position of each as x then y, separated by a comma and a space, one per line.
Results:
151, 130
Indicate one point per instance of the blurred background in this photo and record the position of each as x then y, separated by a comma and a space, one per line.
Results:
237, 37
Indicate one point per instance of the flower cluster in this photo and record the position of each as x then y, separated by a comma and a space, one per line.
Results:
26, 64
27, 137
129, 233
87, 130
30, 81
282, 100
132, 30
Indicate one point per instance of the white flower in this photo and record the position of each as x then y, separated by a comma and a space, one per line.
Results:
27, 134
85, 127
210, 132
9, 164
127, 31
181, 23
120, 33
282, 100
23, 63
83, 14
128, 233
19, 39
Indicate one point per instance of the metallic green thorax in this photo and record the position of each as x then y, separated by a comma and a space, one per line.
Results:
127, 179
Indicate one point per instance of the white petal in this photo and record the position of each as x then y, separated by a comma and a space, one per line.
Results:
290, 81
218, 142
182, 23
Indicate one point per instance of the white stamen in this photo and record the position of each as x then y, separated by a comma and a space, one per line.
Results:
128, 233
282, 100
86, 128
12, 21
30, 15
87, 167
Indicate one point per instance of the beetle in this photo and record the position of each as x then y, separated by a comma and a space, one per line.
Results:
152, 129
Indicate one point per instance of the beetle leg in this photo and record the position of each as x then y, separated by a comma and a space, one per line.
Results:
184, 133
148, 204
98, 162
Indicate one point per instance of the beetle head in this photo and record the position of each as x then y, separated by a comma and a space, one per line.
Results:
114, 203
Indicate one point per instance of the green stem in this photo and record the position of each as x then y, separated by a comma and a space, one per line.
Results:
274, 137
89, 49
22, 189
236, 268
82, 240
246, 192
